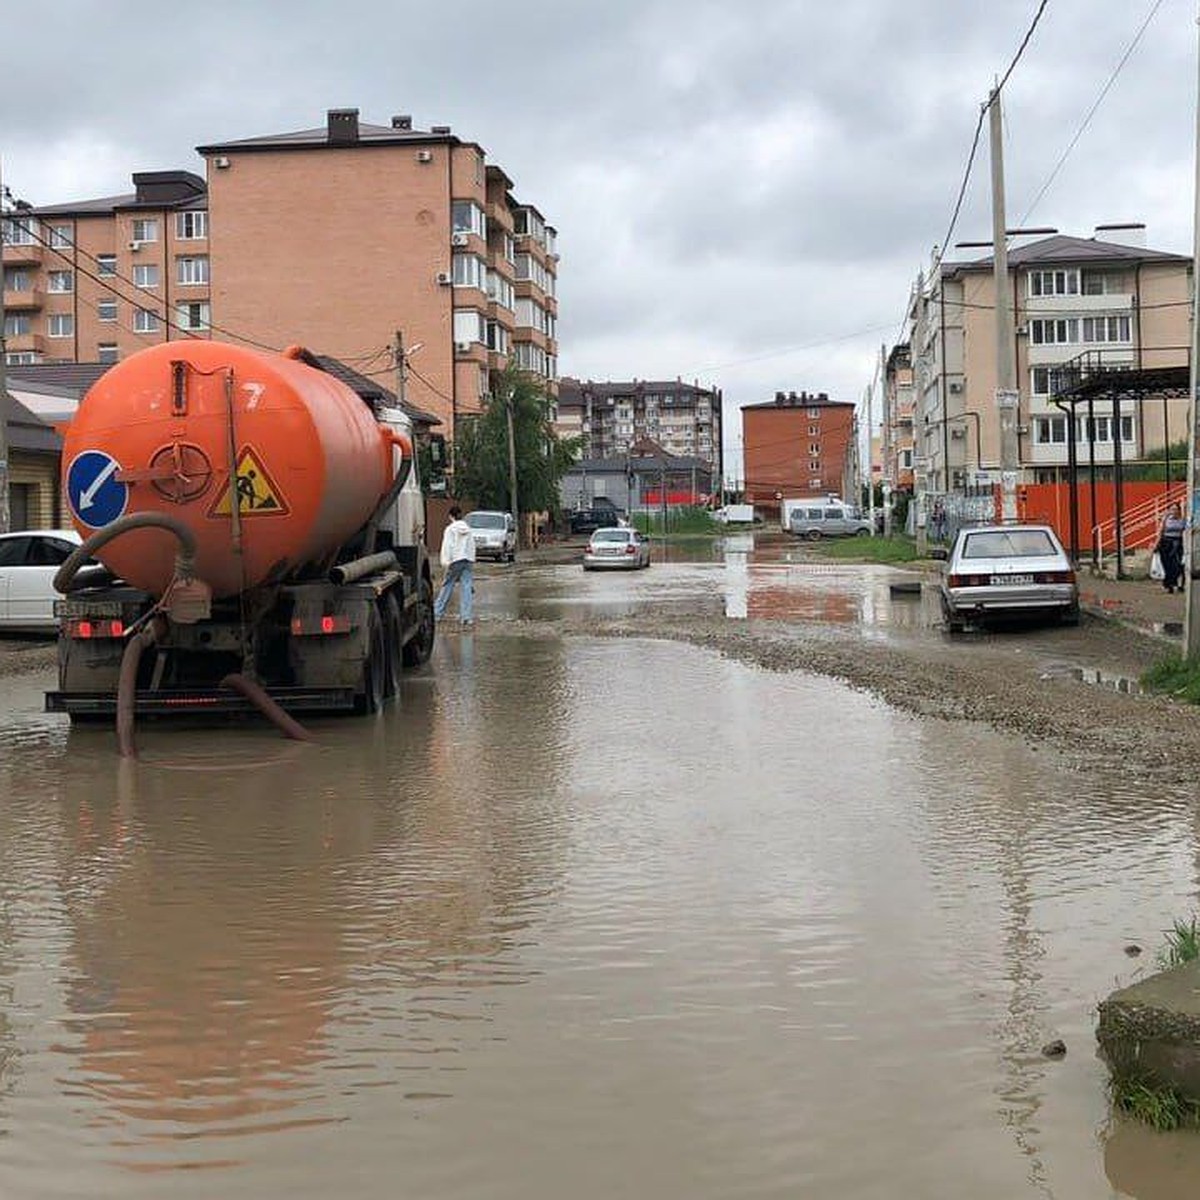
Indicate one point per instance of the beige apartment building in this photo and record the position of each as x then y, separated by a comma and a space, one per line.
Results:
1079, 304
96, 280
340, 238
345, 236
896, 425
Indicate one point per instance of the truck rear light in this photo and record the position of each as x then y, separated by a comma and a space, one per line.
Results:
316, 626
105, 628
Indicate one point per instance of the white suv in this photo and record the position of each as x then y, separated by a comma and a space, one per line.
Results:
495, 534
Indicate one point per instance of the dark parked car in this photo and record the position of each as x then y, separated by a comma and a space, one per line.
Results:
588, 520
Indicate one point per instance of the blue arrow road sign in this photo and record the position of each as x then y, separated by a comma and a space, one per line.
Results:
96, 495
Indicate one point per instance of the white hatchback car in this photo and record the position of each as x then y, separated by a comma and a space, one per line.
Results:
28, 562
614, 549
1007, 571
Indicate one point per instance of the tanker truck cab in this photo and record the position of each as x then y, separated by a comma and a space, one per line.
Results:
262, 530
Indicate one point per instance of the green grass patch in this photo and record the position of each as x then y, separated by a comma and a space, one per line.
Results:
1174, 676
1161, 1108
678, 522
1183, 944
867, 549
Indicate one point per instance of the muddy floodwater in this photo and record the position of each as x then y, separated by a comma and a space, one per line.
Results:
574, 917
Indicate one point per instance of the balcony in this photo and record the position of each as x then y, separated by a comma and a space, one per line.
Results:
22, 256
25, 343
27, 301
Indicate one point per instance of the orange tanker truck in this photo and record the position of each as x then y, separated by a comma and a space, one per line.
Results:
253, 535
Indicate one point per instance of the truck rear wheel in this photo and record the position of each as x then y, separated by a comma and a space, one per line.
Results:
419, 647
370, 695
393, 636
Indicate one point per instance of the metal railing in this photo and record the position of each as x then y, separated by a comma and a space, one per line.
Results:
1139, 524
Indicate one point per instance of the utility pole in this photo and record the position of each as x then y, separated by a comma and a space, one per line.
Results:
512, 464
5, 519
1191, 620
1007, 396
920, 462
401, 368
870, 456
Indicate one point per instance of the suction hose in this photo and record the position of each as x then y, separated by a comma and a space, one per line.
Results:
185, 556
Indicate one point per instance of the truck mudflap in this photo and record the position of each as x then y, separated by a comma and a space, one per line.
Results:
194, 700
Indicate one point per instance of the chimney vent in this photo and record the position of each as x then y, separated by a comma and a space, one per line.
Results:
342, 126
779, 397
404, 121
1126, 233
439, 129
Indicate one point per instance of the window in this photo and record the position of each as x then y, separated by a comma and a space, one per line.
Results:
144, 321
145, 275
497, 337
529, 268
106, 309
814, 414
1127, 429
61, 325
1050, 431
106, 264
1040, 381
510, 248
467, 217
1103, 283
500, 290
1011, 543
60, 236
106, 352
17, 325
22, 358
18, 281
193, 315
815, 482
60, 281
191, 272
145, 229
814, 430
469, 326
1106, 329
191, 226
906, 460
1054, 283
19, 231
814, 447
1054, 331
469, 270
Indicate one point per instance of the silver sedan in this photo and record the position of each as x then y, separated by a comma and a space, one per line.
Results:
616, 549
1007, 571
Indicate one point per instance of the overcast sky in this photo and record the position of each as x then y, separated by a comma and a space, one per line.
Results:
743, 192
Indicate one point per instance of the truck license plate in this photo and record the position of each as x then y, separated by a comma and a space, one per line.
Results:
1011, 580
87, 608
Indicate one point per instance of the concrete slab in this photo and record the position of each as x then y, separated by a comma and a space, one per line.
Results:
1151, 1030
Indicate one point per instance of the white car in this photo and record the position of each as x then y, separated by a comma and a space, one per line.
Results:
616, 548
28, 562
495, 534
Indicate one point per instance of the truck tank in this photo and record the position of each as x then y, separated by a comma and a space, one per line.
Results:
271, 463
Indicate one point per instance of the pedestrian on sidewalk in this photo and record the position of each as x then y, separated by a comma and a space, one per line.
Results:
1170, 548
458, 561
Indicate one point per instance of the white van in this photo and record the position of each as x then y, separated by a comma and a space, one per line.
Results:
815, 519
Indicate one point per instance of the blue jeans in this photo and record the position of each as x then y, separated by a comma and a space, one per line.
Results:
460, 572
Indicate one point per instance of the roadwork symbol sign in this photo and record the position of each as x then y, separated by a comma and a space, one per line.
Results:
256, 491
97, 497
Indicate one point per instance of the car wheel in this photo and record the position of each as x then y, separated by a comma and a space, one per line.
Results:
954, 622
813, 535
862, 533
1071, 615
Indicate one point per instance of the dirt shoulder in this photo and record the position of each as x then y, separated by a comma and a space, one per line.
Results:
19, 656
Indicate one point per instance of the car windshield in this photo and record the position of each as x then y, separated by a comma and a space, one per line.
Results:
1009, 543
611, 535
486, 520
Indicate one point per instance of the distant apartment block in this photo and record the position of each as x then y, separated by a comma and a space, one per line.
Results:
339, 237
896, 428
96, 280
798, 445
1079, 304
683, 418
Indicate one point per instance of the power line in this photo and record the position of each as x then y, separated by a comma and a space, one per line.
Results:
1091, 112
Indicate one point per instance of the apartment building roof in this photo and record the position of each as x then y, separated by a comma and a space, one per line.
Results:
152, 190
1063, 250
618, 464
629, 387
799, 400
342, 129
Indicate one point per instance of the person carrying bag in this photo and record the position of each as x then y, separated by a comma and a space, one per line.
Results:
1169, 550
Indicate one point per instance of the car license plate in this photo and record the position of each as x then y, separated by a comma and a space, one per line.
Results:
1011, 580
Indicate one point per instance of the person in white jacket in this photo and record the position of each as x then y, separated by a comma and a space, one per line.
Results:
458, 561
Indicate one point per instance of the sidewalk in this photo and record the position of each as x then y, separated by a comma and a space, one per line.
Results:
1141, 603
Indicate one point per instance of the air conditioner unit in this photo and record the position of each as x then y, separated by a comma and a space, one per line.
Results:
424, 156
221, 163
463, 347
444, 278
458, 239
955, 387
135, 245
958, 433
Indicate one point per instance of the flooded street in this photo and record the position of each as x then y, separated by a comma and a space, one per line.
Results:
599, 916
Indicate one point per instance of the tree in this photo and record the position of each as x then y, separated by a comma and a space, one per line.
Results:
481, 448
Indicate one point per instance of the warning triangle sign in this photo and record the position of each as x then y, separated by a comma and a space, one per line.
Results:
257, 495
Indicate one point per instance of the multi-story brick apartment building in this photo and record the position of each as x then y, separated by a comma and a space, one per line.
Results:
96, 280
1105, 300
337, 237
896, 428
798, 445
684, 418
